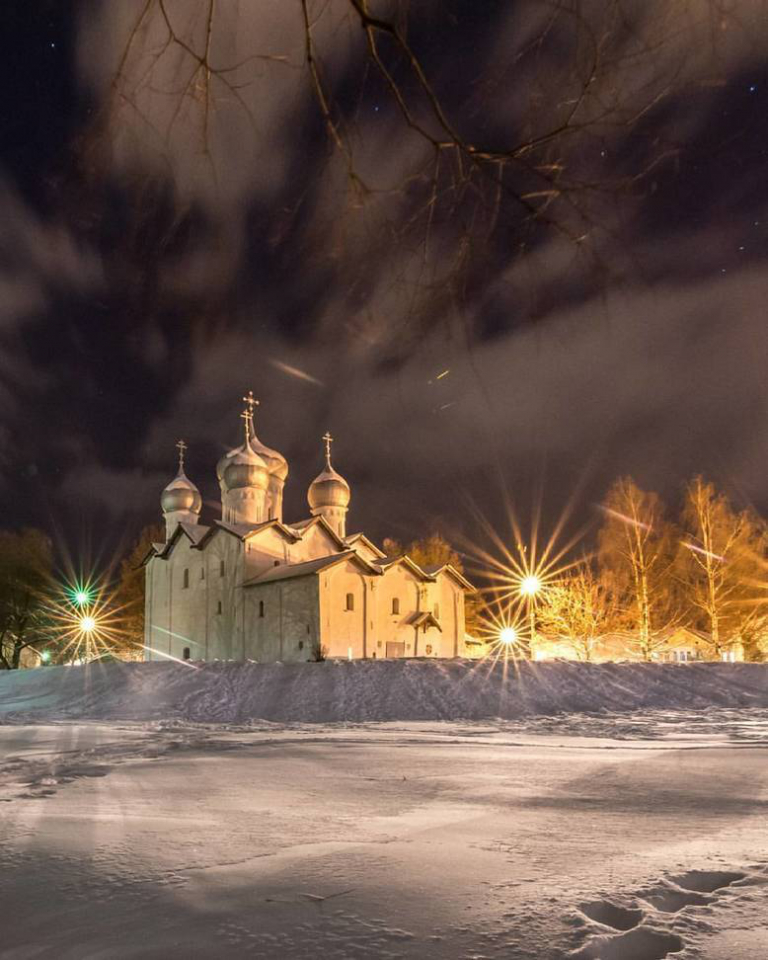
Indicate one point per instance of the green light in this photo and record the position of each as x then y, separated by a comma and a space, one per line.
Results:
81, 596
45, 656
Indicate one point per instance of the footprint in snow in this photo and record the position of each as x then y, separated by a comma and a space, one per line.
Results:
620, 932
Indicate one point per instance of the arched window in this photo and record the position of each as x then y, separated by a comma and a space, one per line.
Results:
185, 582
261, 608
221, 568
202, 573
186, 654
218, 607
395, 604
350, 601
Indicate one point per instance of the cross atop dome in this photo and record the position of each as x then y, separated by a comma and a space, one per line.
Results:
181, 447
328, 440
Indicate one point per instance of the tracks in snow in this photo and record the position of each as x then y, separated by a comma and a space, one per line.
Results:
642, 926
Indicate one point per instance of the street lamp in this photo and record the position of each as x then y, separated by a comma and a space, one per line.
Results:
529, 587
508, 636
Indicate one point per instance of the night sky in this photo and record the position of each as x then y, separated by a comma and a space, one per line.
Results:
168, 242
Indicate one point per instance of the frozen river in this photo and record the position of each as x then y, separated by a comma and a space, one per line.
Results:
628, 838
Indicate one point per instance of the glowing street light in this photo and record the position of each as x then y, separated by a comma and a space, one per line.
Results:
87, 624
81, 595
508, 636
530, 585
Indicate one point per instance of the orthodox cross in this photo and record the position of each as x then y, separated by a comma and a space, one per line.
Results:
181, 447
247, 414
328, 440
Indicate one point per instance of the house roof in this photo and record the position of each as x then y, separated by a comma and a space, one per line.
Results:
285, 571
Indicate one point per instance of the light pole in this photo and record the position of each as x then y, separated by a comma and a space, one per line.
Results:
530, 585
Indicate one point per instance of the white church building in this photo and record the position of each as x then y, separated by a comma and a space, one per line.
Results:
253, 586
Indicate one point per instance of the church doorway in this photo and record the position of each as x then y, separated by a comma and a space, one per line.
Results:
395, 650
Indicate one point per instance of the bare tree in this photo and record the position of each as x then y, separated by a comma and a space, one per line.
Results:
580, 611
25, 595
638, 547
719, 560
127, 600
526, 141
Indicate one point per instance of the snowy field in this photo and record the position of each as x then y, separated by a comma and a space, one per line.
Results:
136, 822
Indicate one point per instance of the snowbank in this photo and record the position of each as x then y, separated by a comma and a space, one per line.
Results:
371, 690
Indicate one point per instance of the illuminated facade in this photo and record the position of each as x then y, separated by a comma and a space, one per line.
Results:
251, 586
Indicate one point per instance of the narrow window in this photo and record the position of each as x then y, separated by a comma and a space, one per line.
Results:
186, 654
202, 573
301, 644
350, 601
437, 611
218, 607
395, 604
261, 608
221, 568
186, 579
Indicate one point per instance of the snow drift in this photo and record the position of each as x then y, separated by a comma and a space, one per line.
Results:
361, 690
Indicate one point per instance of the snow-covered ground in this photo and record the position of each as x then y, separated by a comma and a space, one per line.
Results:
371, 690
142, 832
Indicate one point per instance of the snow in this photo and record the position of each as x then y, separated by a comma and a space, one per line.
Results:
161, 811
358, 691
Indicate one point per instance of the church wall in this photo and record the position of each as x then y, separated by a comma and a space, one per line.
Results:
205, 615
224, 635
262, 550
287, 625
342, 629
315, 543
397, 583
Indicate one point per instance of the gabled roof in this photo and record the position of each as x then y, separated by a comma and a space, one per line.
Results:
285, 571
273, 525
239, 530
389, 562
449, 569
304, 526
361, 538
425, 619
194, 532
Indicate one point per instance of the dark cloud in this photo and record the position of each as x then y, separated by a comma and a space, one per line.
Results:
173, 252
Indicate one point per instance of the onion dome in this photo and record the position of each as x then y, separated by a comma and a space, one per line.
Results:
275, 462
181, 493
329, 488
245, 468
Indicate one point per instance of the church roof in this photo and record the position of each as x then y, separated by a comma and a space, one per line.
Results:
355, 537
425, 619
286, 571
303, 526
448, 568
195, 532
388, 562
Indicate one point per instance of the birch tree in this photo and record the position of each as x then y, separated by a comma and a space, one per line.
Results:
719, 558
579, 611
638, 546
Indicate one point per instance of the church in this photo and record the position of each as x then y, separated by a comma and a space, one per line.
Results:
252, 586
